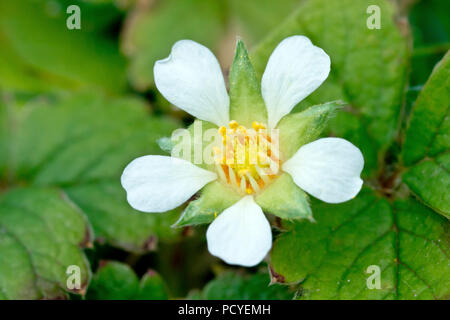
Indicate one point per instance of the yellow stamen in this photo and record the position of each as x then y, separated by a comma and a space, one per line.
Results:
258, 125
233, 124
222, 130
253, 183
242, 172
248, 161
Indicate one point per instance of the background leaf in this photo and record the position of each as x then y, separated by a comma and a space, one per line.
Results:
41, 235
47, 54
246, 102
427, 142
151, 31
407, 241
233, 286
83, 156
368, 71
152, 28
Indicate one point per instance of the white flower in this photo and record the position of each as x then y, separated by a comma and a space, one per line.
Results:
191, 78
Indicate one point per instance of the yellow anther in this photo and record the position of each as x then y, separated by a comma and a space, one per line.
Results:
249, 190
222, 130
242, 129
242, 172
234, 124
257, 125
215, 215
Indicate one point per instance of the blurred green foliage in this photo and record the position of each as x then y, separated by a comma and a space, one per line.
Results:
153, 27
430, 27
331, 257
117, 281
47, 55
234, 286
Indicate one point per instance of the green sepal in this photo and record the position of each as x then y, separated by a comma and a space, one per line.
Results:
428, 130
41, 234
297, 129
285, 199
429, 180
152, 287
166, 144
188, 139
246, 102
215, 198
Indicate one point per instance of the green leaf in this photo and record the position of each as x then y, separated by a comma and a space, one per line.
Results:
190, 144
256, 18
152, 287
369, 67
406, 240
84, 141
15, 74
427, 130
246, 102
430, 28
285, 199
233, 286
116, 222
117, 281
297, 129
214, 198
427, 141
152, 30
41, 235
47, 54
4, 127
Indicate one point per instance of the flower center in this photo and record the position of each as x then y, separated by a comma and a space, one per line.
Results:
248, 159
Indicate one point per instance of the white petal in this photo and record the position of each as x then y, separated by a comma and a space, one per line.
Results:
158, 183
241, 235
191, 79
295, 69
328, 169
